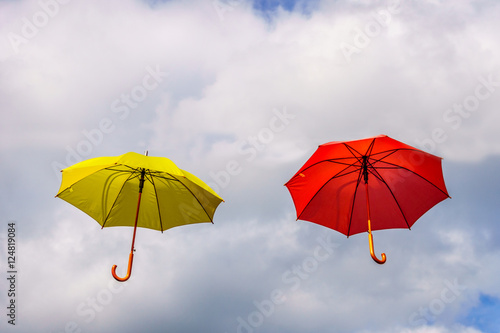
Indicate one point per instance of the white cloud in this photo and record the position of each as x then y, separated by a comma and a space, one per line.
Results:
245, 102
458, 329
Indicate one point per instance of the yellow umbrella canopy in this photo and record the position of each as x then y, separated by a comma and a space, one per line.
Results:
112, 189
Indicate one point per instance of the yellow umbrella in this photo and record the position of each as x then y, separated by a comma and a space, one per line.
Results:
112, 189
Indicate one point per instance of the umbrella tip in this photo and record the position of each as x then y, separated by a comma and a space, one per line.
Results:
146, 152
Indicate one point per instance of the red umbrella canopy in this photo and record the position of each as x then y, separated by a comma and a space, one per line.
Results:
401, 182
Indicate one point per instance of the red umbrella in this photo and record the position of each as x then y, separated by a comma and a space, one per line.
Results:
370, 184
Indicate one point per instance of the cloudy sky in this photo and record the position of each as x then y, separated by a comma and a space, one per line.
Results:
241, 93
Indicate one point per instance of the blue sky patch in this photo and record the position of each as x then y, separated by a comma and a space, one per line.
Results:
485, 317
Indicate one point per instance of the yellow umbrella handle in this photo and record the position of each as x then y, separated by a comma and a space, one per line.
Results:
372, 249
129, 270
370, 236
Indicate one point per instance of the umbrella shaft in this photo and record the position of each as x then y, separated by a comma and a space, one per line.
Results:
141, 181
368, 209
365, 169
136, 218
141, 185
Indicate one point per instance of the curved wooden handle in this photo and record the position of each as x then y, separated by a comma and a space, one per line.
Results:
129, 270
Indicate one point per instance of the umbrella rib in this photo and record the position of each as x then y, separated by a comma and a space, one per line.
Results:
370, 148
112, 168
159, 175
322, 186
392, 151
341, 174
428, 181
396, 166
109, 179
379, 176
353, 201
359, 156
132, 175
332, 160
376, 160
76, 182
199, 202
335, 160
351, 149
368, 153
157, 201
